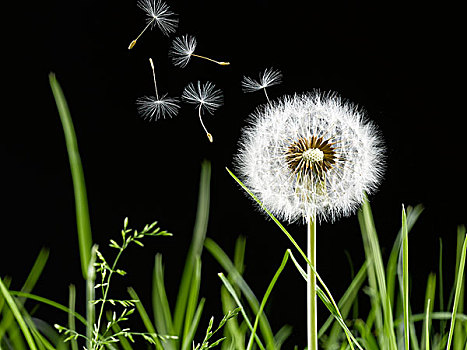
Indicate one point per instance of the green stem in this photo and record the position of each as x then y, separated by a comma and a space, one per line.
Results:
312, 323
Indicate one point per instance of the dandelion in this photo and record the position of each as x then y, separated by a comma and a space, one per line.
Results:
268, 78
206, 98
183, 49
309, 157
156, 107
158, 14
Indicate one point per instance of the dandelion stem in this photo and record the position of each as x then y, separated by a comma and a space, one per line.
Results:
210, 59
154, 77
312, 328
202, 124
133, 43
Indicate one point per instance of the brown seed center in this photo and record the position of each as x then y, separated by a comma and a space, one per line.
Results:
311, 158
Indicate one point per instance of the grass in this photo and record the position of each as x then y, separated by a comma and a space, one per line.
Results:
391, 322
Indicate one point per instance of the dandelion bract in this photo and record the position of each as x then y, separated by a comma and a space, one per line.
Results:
310, 155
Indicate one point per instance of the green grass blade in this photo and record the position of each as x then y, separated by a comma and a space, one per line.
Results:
125, 344
235, 336
335, 308
426, 327
79, 187
459, 280
28, 285
196, 247
71, 314
345, 305
429, 298
192, 301
231, 290
17, 314
373, 252
49, 302
145, 318
266, 296
238, 280
188, 338
460, 330
161, 308
405, 277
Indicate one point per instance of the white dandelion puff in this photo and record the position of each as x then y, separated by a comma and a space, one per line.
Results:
183, 48
155, 107
311, 155
205, 97
158, 13
267, 78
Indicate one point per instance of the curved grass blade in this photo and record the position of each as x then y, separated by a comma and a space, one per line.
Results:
459, 279
79, 187
266, 296
17, 314
196, 247
334, 309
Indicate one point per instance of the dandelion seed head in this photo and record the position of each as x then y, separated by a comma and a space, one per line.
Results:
204, 95
310, 155
150, 107
159, 14
181, 50
267, 78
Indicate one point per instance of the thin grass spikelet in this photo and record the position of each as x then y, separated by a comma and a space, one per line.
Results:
155, 107
183, 48
158, 14
205, 97
310, 155
267, 78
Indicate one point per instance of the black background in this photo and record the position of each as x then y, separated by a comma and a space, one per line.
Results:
398, 61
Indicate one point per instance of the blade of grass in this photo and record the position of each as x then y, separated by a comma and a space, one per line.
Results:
192, 304
161, 308
188, 338
405, 277
28, 285
229, 267
429, 297
459, 337
145, 318
266, 296
49, 302
231, 290
335, 308
79, 187
71, 317
17, 314
196, 247
373, 252
427, 326
459, 278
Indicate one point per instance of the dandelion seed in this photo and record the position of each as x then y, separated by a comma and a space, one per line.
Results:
183, 49
268, 78
158, 14
205, 97
156, 107
310, 155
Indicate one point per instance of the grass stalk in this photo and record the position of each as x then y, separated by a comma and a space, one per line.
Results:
17, 314
459, 280
405, 277
79, 187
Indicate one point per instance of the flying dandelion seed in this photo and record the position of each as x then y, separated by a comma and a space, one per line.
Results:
267, 78
156, 107
205, 97
183, 48
159, 14
310, 155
